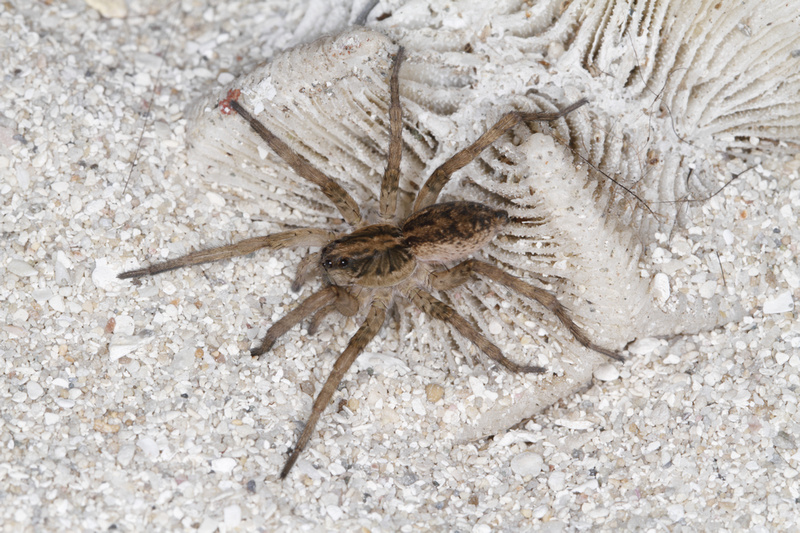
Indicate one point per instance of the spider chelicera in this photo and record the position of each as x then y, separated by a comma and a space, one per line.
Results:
366, 270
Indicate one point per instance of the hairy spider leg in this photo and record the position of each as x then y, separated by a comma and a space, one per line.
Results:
439, 310
429, 192
388, 202
463, 271
307, 268
307, 307
274, 241
345, 304
339, 197
369, 328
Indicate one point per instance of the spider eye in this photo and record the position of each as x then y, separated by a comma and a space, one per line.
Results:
343, 262
327, 263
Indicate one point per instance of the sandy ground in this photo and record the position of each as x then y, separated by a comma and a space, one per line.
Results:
138, 408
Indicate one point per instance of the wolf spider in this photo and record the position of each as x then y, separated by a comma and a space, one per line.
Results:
375, 264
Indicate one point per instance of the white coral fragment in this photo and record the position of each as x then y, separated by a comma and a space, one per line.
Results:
667, 106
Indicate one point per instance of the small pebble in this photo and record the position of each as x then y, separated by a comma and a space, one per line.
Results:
782, 303
109, 8
21, 269
644, 346
708, 289
434, 392
104, 276
660, 288
606, 372
527, 464
223, 465
122, 345
34, 390
557, 481
126, 454
675, 512
148, 447
215, 199
232, 516
334, 511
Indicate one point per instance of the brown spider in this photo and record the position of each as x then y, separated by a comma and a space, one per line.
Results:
370, 267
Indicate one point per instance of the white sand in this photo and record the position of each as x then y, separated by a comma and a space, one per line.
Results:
139, 408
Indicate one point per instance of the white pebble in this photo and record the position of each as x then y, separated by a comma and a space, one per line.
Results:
109, 8
728, 236
39, 160
224, 465
606, 372
708, 289
645, 346
148, 447
527, 464
578, 425
675, 512
660, 289
122, 345
781, 358
51, 418
60, 382
57, 303
94, 207
671, 359
225, 78
21, 269
557, 481
335, 512
34, 390
208, 525
125, 454
124, 325
792, 277
232, 516
782, 303
103, 276
215, 199
336, 469
42, 295
495, 328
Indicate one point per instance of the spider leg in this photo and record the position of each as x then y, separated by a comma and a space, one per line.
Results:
308, 266
345, 303
308, 306
441, 311
462, 272
392, 174
429, 192
335, 192
369, 328
275, 241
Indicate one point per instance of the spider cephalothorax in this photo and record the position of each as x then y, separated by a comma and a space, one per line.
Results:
367, 269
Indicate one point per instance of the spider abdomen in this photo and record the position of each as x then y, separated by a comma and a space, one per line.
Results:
451, 231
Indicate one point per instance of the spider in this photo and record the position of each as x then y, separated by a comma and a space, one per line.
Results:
368, 269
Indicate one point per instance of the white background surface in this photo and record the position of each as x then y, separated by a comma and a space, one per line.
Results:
161, 420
